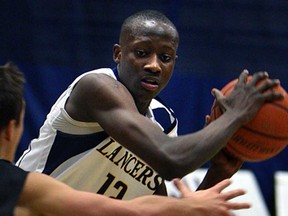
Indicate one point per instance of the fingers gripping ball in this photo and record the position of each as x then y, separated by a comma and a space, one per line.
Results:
263, 137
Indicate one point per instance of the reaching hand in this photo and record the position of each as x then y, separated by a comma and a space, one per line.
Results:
247, 97
213, 201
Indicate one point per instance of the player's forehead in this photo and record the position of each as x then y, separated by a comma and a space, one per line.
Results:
147, 28
154, 27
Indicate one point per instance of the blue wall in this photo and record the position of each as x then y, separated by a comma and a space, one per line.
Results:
55, 41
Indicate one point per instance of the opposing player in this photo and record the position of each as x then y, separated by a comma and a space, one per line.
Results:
24, 194
103, 134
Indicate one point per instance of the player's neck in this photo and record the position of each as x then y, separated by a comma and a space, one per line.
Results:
142, 108
5, 154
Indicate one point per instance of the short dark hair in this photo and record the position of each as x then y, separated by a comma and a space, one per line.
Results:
11, 93
132, 22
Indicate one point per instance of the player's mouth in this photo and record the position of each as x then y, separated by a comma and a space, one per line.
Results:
150, 84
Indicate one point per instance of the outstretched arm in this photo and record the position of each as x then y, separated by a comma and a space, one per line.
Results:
43, 195
99, 98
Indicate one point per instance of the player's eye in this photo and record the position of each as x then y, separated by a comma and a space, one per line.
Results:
141, 53
165, 58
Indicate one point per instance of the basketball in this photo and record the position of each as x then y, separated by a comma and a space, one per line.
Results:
263, 137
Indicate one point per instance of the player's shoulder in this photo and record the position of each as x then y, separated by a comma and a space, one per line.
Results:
98, 72
95, 77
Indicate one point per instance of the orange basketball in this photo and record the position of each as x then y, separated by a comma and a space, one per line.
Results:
263, 137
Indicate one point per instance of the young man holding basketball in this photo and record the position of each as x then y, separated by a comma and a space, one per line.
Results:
24, 193
103, 134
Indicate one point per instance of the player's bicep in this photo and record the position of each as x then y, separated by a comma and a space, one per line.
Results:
111, 105
95, 95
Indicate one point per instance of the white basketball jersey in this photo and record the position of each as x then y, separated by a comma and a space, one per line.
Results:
83, 156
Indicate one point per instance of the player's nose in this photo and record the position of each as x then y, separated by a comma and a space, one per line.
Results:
153, 64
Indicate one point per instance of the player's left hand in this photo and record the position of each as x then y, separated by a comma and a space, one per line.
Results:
228, 162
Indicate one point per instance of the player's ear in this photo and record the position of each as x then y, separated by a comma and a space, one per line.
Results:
116, 53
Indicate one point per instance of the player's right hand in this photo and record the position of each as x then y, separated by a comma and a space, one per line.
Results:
247, 97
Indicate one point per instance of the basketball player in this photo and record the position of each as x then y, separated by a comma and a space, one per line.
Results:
103, 134
24, 193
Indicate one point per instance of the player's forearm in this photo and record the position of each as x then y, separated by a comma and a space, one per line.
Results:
172, 157
190, 152
159, 205
142, 206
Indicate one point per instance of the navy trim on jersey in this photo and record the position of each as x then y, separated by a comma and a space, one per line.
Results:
164, 120
163, 117
70, 145
23, 156
172, 126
